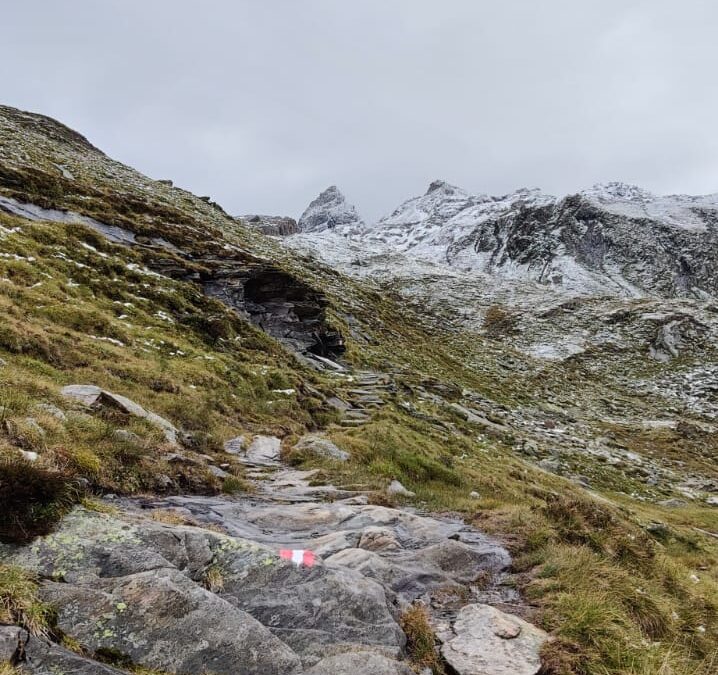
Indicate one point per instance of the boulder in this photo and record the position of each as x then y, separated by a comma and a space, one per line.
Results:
316, 610
161, 619
134, 585
396, 489
91, 395
263, 451
487, 641
322, 447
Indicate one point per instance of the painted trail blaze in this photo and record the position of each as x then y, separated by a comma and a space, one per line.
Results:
298, 556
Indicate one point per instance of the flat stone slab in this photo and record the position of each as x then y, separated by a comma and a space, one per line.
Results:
263, 451
487, 641
90, 395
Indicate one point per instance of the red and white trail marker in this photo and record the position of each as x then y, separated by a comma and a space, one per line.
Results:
298, 556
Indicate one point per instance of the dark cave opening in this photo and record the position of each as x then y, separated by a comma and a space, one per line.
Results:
288, 309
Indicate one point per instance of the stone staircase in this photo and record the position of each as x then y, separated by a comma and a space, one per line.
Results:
369, 393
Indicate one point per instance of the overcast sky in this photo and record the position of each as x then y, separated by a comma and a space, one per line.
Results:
263, 103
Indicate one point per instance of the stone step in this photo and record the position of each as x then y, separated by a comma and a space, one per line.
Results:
356, 415
353, 422
366, 403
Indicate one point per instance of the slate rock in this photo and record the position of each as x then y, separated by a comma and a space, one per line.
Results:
91, 395
161, 619
263, 451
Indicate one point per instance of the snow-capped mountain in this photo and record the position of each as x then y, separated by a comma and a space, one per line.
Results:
330, 211
613, 239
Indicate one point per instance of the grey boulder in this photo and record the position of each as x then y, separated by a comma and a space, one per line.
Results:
91, 395
486, 641
161, 619
321, 447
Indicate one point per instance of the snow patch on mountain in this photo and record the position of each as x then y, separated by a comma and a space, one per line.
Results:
610, 240
678, 211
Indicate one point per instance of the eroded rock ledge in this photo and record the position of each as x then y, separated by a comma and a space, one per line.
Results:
279, 303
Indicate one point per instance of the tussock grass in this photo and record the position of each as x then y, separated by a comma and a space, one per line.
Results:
420, 639
19, 602
33, 499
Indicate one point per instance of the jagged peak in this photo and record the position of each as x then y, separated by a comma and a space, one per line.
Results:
444, 187
328, 211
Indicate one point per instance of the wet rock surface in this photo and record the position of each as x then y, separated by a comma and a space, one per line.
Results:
292, 579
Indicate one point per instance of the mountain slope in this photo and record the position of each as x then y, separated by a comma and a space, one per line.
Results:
593, 476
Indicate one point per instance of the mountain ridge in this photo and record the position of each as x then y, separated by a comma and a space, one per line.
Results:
613, 237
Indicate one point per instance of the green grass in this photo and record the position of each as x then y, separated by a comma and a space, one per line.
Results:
19, 602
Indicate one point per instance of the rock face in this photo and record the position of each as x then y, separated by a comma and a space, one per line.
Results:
330, 211
274, 226
487, 641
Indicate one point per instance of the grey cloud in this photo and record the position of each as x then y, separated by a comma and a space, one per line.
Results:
264, 103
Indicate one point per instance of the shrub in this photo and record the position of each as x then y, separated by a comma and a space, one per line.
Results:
499, 322
420, 640
33, 499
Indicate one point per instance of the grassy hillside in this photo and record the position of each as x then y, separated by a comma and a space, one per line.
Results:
624, 583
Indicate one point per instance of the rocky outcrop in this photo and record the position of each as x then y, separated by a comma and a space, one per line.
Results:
133, 587
274, 226
90, 395
278, 302
580, 244
130, 614
330, 211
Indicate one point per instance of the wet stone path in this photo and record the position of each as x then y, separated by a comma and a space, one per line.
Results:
455, 571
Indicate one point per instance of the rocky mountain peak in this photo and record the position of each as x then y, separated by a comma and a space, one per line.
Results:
617, 190
330, 210
442, 187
